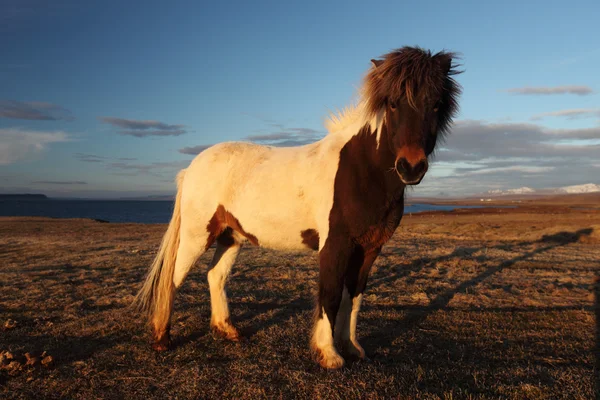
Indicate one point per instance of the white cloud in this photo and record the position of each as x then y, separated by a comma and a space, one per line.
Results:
479, 156
570, 114
514, 168
17, 144
567, 89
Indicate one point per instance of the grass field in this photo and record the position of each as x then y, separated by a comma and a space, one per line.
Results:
468, 304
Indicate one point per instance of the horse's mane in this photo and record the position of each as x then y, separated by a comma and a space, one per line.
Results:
337, 121
408, 73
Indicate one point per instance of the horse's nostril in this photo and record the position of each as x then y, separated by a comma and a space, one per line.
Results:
403, 165
420, 168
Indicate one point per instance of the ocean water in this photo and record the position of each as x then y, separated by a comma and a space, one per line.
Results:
146, 212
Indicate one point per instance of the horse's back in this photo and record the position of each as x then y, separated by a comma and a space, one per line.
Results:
275, 193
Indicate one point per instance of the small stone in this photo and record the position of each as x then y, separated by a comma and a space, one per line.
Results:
48, 362
13, 368
10, 324
31, 361
6, 357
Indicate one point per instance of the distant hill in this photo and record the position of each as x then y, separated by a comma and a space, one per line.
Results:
150, 198
575, 189
20, 196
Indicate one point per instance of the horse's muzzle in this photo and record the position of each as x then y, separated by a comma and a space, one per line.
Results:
411, 174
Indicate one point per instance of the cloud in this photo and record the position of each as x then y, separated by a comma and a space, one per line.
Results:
569, 114
60, 182
194, 150
479, 156
145, 128
153, 169
477, 140
93, 158
18, 144
284, 137
280, 136
33, 110
568, 89
513, 168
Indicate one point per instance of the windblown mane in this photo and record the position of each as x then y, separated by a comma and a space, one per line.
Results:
408, 73
344, 117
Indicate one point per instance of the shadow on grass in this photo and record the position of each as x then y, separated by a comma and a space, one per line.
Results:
415, 315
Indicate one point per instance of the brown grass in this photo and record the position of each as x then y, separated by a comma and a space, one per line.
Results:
478, 304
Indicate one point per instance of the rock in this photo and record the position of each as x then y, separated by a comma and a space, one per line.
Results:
31, 361
13, 368
48, 361
6, 357
10, 324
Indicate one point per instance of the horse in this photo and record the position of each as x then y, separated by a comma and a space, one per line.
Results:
342, 196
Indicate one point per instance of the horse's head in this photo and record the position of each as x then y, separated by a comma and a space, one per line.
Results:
418, 97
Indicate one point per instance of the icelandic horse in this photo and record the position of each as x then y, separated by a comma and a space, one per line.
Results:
342, 196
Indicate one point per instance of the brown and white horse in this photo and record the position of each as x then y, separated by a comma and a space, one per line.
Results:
342, 196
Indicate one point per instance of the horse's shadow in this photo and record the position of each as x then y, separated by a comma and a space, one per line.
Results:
385, 334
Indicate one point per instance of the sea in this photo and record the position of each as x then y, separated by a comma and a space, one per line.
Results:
144, 212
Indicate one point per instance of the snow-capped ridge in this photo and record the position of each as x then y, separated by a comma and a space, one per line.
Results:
573, 189
521, 190
586, 188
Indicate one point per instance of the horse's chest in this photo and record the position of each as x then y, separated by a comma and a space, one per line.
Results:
382, 227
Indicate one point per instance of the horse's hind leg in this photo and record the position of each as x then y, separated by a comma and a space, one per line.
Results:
187, 253
228, 248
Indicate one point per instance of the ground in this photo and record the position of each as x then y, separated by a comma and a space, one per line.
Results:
494, 303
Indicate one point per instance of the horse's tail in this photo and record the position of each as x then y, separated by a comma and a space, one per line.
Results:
156, 295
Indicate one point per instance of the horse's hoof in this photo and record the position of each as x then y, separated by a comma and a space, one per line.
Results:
227, 332
330, 359
354, 350
162, 345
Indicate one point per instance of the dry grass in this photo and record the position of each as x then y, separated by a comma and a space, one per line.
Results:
475, 304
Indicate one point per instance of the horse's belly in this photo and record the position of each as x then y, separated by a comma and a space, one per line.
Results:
291, 228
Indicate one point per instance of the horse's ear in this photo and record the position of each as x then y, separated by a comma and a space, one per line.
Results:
445, 62
376, 63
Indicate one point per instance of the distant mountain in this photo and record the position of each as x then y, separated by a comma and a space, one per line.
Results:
150, 198
522, 190
586, 188
23, 196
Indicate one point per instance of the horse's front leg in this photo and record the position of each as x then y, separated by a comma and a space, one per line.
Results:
359, 267
333, 263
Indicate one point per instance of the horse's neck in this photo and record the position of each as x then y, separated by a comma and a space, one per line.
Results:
364, 147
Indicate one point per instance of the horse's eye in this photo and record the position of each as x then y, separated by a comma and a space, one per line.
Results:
393, 106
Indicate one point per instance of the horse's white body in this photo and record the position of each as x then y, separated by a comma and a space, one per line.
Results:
274, 192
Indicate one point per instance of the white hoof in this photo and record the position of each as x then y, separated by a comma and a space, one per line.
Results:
330, 359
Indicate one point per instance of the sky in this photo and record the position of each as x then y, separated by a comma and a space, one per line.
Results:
109, 99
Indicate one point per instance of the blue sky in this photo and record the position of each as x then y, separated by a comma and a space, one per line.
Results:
103, 99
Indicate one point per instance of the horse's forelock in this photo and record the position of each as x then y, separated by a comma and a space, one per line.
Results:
409, 73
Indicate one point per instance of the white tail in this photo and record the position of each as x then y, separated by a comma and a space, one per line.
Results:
156, 295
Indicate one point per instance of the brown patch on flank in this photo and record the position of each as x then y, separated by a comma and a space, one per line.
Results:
310, 237
218, 226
